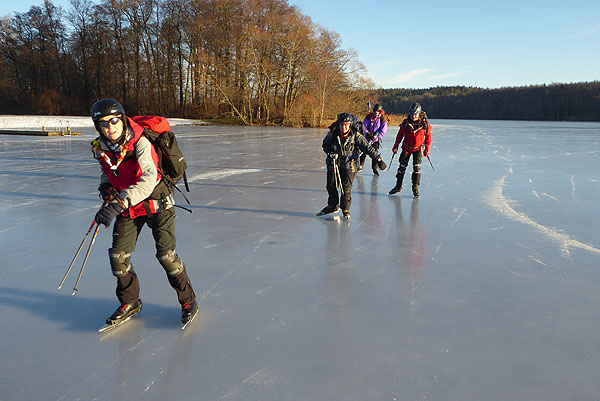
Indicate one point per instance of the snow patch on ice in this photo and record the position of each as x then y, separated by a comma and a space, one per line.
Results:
51, 122
26, 121
497, 201
218, 174
550, 196
537, 260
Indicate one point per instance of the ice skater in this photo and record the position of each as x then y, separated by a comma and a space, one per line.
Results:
343, 144
375, 126
415, 130
129, 176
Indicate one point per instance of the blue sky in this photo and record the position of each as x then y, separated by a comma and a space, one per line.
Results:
483, 43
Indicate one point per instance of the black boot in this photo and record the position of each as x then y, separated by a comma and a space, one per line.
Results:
416, 180
125, 311
328, 209
188, 311
398, 187
415, 189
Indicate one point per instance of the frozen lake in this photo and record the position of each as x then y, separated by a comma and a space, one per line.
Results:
485, 288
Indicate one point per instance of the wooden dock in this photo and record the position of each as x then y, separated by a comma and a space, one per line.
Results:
42, 132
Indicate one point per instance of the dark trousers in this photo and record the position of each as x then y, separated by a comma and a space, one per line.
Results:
125, 234
334, 198
403, 160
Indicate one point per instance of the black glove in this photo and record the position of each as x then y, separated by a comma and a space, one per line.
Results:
381, 164
370, 136
107, 191
108, 212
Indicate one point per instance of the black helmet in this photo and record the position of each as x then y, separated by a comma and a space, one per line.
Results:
107, 107
414, 108
377, 107
344, 118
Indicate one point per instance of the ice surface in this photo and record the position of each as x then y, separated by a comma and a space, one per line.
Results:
485, 288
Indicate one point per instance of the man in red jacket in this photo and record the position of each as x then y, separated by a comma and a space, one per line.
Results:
416, 133
129, 175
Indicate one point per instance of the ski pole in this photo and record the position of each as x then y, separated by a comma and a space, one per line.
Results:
337, 170
430, 162
334, 173
77, 254
86, 258
338, 180
391, 160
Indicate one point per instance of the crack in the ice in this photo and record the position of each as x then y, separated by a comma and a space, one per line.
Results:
498, 201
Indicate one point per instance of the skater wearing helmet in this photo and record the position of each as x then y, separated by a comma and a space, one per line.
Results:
129, 176
375, 125
415, 130
343, 144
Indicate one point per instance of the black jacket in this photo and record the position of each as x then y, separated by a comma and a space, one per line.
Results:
348, 149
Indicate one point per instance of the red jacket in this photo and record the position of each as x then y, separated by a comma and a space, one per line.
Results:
134, 182
415, 135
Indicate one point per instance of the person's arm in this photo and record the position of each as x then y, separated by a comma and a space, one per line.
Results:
399, 137
141, 190
427, 142
364, 146
381, 130
328, 143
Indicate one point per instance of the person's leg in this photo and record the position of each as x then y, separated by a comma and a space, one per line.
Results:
416, 173
376, 146
163, 231
403, 163
125, 234
333, 199
347, 179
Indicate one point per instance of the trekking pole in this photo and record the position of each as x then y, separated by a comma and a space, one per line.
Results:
337, 170
184, 208
335, 166
391, 160
430, 162
338, 178
77, 254
86, 258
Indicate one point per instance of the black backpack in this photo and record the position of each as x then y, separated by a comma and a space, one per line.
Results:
171, 162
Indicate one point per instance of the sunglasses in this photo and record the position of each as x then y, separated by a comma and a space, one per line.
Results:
106, 123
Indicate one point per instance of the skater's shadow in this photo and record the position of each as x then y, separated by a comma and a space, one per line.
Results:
80, 313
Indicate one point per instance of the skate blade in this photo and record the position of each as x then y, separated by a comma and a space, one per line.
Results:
110, 327
190, 321
329, 217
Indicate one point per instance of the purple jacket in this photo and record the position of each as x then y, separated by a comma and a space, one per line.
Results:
378, 127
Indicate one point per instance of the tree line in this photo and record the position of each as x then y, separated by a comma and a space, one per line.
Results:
556, 102
259, 61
